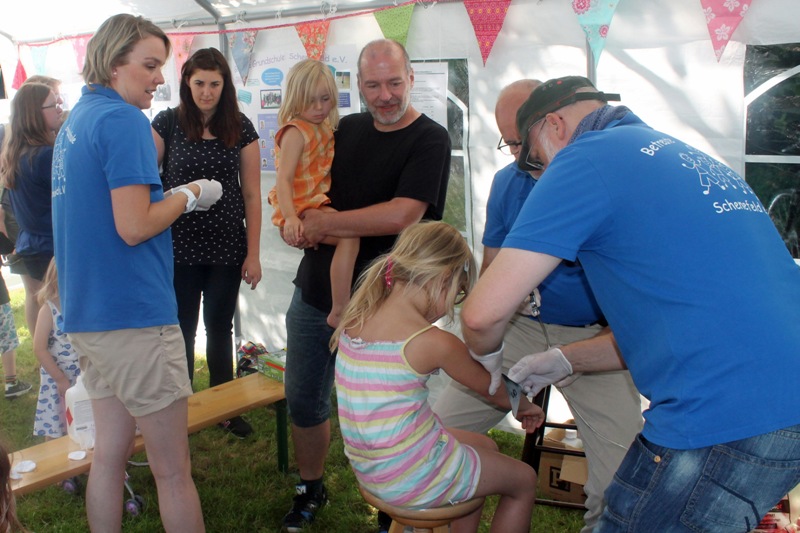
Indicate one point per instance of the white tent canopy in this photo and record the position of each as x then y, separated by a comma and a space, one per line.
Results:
658, 55
22, 20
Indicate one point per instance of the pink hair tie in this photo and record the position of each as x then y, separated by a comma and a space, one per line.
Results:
388, 275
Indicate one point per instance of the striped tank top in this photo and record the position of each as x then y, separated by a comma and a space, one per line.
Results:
396, 445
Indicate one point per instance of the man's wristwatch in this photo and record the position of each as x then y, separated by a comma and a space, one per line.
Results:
191, 201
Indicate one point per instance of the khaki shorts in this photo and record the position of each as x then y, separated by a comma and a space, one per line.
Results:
145, 368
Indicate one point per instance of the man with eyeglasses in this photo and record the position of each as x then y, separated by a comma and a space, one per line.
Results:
606, 406
699, 290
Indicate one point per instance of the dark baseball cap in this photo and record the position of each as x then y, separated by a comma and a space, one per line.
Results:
548, 97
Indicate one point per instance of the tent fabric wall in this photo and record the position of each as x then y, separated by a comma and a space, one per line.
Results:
661, 61
658, 56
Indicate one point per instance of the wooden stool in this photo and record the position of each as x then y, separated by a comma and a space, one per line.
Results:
434, 520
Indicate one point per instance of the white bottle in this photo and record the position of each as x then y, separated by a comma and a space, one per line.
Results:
80, 418
571, 439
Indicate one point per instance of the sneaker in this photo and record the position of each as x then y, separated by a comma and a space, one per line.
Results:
236, 426
304, 509
17, 389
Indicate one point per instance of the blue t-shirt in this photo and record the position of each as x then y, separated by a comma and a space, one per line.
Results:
104, 283
566, 297
30, 202
696, 283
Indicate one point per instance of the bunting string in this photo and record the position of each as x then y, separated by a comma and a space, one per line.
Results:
486, 16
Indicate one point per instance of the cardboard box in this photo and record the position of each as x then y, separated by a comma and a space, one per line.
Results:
784, 517
561, 477
247, 358
574, 469
273, 364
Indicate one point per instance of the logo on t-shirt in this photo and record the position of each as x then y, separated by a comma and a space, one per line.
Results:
59, 181
712, 172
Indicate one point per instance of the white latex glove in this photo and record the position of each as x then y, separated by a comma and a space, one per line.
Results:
536, 371
493, 363
210, 192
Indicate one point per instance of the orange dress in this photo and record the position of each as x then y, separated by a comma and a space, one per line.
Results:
312, 177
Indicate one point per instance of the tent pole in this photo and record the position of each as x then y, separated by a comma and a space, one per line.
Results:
206, 5
223, 42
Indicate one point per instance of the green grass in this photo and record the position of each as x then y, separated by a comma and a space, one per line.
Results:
239, 483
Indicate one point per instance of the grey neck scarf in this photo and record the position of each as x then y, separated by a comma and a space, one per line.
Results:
599, 119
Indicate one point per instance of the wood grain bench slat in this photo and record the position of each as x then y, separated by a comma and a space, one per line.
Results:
206, 408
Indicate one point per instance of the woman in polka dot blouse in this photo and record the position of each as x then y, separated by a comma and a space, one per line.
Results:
207, 136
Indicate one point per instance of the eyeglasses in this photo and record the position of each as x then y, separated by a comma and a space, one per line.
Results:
509, 147
534, 164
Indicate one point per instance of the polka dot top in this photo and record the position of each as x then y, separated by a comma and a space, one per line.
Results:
216, 236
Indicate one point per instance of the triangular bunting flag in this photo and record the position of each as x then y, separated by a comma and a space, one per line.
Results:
39, 56
314, 36
723, 17
181, 46
19, 76
79, 46
595, 16
487, 19
241, 43
395, 22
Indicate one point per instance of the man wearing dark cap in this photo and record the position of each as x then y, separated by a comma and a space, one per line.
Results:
699, 290
605, 405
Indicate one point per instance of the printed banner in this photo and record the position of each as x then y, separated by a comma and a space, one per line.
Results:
595, 16
181, 46
19, 76
395, 22
242, 43
79, 46
314, 36
487, 19
722, 18
39, 56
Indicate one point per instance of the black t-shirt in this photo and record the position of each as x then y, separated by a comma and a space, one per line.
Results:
370, 167
216, 236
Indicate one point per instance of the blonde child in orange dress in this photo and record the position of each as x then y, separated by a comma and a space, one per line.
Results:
304, 153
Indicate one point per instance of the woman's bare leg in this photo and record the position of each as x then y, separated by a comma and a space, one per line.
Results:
167, 443
114, 432
32, 287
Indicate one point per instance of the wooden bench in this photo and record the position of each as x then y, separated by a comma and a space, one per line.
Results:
206, 408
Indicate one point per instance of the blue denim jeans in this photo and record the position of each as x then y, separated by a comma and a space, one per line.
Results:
726, 488
309, 363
